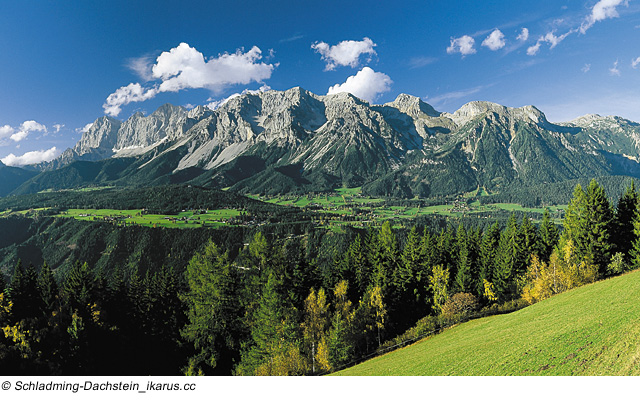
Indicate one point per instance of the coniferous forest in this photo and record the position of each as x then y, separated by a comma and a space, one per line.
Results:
308, 302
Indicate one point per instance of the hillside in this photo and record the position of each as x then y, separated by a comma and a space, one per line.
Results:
592, 330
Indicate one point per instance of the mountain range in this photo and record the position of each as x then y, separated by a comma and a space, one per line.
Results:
295, 141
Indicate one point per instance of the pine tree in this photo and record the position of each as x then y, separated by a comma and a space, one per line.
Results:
212, 309
463, 279
599, 220
548, 236
77, 288
623, 220
488, 252
510, 261
48, 288
24, 292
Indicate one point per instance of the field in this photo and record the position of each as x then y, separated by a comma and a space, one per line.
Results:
592, 330
351, 202
185, 219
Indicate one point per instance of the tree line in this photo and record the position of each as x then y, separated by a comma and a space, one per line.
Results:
295, 305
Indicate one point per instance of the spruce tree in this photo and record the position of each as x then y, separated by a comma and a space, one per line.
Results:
212, 309
488, 252
623, 220
48, 288
599, 220
548, 236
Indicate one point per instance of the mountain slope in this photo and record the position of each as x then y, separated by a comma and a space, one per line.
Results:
591, 330
12, 177
296, 141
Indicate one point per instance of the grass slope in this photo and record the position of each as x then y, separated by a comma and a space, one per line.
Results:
592, 330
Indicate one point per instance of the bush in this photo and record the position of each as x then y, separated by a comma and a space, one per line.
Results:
460, 303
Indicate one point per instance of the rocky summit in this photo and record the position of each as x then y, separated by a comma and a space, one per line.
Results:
297, 141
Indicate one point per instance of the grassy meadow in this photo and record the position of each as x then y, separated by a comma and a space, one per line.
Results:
591, 330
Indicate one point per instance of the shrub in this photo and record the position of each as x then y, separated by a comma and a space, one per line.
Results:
460, 303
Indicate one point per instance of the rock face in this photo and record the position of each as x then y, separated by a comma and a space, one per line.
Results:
295, 139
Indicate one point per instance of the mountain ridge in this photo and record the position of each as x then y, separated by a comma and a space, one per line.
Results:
297, 141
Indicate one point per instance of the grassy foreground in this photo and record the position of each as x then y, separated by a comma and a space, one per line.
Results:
592, 330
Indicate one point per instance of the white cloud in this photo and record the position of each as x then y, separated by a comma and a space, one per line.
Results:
127, 94
524, 35
21, 133
495, 41
85, 128
345, 53
366, 84
58, 127
19, 136
6, 131
550, 38
443, 99
215, 104
419, 62
603, 9
462, 45
586, 68
614, 71
31, 157
142, 67
635, 63
183, 67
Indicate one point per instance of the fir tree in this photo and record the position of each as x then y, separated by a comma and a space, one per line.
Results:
48, 288
548, 236
623, 220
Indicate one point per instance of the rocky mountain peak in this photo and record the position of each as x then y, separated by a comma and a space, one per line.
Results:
413, 106
474, 109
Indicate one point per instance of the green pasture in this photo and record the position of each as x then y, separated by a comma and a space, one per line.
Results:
185, 219
591, 330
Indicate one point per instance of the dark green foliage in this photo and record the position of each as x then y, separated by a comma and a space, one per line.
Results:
548, 236
213, 311
165, 302
12, 177
623, 220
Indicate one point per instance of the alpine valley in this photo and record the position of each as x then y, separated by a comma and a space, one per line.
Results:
294, 141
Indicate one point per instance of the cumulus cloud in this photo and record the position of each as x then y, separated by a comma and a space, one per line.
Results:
366, 84
6, 131
57, 127
345, 53
31, 157
215, 104
133, 92
20, 133
603, 9
635, 63
524, 35
462, 45
586, 68
183, 67
614, 71
85, 128
550, 38
495, 41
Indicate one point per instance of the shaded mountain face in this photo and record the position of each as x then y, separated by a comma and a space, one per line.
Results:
296, 141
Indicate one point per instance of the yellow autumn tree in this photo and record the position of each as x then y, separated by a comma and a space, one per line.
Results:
563, 272
315, 324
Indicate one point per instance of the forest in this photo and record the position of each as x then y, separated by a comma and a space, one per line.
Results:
307, 303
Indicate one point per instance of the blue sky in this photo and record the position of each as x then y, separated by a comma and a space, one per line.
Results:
65, 63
